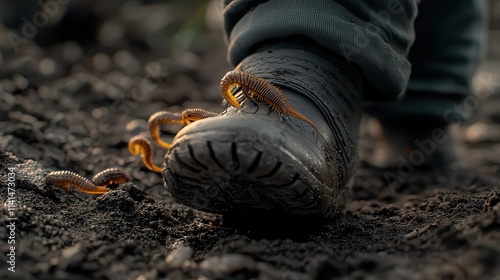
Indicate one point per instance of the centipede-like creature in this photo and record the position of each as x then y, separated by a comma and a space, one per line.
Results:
104, 178
156, 120
67, 178
139, 145
186, 117
260, 89
196, 114
111, 176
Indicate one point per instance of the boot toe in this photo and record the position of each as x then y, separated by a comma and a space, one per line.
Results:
249, 162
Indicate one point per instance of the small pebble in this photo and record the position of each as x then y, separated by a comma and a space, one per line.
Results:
97, 113
220, 266
72, 256
179, 256
127, 62
408, 205
20, 81
101, 62
7, 85
46, 92
47, 66
72, 52
110, 33
478, 132
136, 125
7, 100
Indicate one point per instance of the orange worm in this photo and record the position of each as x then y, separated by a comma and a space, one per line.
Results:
67, 178
191, 115
156, 120
140, 145
253, 86
186, 117
110, 176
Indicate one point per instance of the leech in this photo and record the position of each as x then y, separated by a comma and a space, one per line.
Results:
67, 178
188, 116
111, 176
255, 87
140, 145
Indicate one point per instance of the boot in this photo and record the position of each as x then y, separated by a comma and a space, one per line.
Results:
253, 159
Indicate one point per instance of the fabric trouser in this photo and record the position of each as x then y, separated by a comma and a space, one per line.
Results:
421, 53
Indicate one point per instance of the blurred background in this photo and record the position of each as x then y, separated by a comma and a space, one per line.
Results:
77, 76
47, 40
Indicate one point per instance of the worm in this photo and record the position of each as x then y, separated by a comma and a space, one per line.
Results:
186, 117
140, 145
253, 86
191, 115
156, 120
110, 176
67, 178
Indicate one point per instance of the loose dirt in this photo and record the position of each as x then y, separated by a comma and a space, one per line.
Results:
71, 99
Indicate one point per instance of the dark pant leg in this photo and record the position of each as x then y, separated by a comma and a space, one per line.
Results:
449, 45
374, 34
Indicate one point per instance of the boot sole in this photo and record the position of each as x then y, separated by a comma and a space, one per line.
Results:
229, 172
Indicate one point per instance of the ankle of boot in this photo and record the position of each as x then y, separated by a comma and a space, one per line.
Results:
302, 48
333, 85
332, 61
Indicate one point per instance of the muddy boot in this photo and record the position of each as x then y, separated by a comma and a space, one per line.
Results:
253, 159
411, 144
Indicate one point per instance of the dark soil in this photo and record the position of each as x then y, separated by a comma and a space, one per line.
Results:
73, 95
